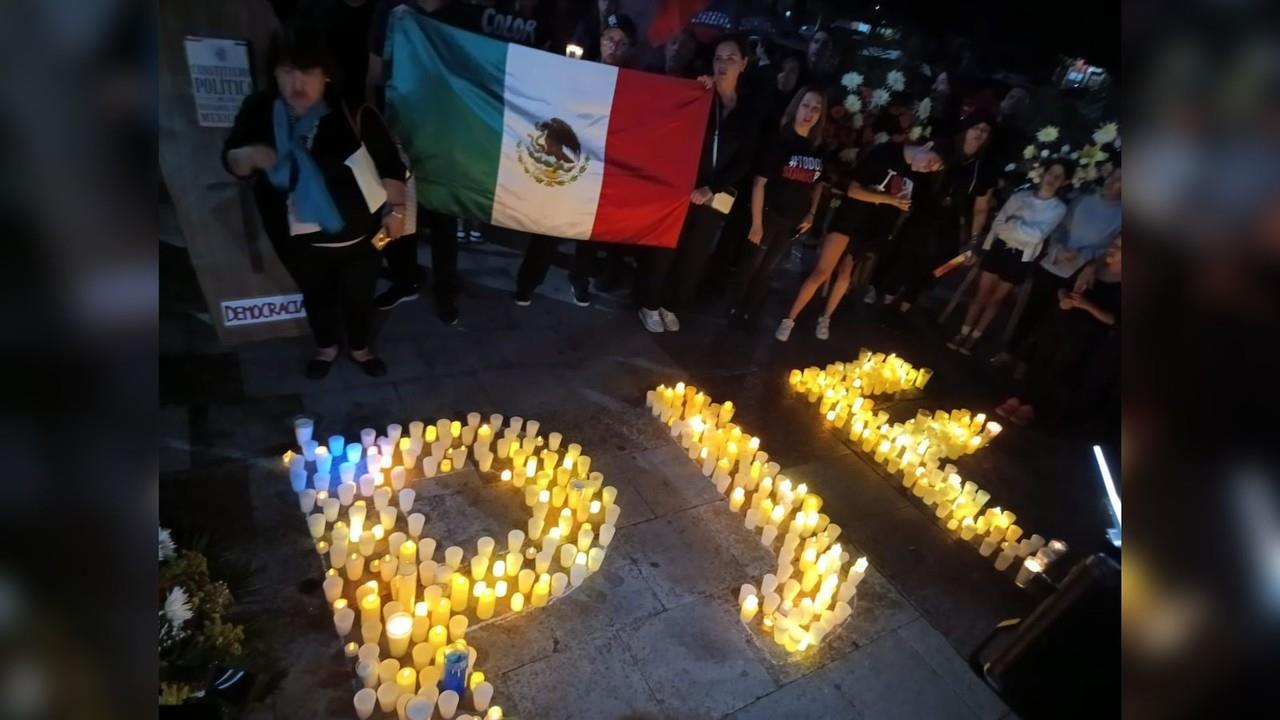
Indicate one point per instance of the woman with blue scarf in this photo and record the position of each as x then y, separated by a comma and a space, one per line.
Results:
327, 183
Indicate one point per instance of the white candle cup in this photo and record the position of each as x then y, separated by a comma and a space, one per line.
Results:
307, 501
367, 671
482, 695
1031, 567
559, 582
353, 453
332, 588
768, 583
367, 484
771, 602
347, 472
531, 428
337, 444
484, 547
419, 708
316, 525
1005, 558
768, 535
429, 466
515, 423
415, 522
453, 557
343, 619
595, 558
298, 478
606, 534
457, 627
612, 513
406, 498
320, 481
447, 704
303, 427
364, 701
388, 693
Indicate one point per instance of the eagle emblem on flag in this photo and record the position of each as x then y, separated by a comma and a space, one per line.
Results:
552, 154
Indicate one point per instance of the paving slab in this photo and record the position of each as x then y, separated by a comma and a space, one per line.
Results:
697, 661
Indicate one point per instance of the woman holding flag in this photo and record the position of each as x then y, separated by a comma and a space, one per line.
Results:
669, 277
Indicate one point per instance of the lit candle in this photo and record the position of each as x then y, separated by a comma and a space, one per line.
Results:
370, 607
750, 606
484, 608
737, 498
399, 628
1031, 567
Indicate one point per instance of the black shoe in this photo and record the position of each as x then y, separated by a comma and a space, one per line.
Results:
395, 295
447, 312
582, 296
317, 369
524, 298
373, 367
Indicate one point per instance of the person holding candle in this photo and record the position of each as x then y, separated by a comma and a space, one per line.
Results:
784, 198
669, 276
326, 181
1078, 349
1015, 241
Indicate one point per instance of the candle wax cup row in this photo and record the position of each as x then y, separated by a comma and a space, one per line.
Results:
386, 584
917, 448
812, 592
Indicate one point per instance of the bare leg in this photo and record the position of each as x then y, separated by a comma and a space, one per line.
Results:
986, 288
998, 295
832, 248
843, 275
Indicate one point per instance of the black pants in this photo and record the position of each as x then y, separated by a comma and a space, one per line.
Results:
910, 273
1041, 301
669, 276
759, 261
402, 255
337, 288
537, 260
1069, 362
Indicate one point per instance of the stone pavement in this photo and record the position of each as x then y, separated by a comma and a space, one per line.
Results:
655, 633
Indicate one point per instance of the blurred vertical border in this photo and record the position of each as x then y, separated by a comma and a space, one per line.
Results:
1201, 442
78, 185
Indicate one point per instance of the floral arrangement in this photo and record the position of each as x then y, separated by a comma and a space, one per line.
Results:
852, 118
1092, 160
192, 632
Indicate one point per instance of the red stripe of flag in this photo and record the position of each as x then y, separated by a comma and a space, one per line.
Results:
656, 128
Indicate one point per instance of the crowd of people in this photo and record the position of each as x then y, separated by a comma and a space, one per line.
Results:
783, 157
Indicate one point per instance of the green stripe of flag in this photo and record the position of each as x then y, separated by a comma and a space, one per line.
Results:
445, 104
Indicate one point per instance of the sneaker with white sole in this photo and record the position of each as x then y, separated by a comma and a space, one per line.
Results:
783, 333
822, 330
870, 297
669, 320
652, 320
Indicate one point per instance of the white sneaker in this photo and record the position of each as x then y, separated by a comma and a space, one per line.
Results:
651, 320
823, 329
870, 297
783, 333
669, 320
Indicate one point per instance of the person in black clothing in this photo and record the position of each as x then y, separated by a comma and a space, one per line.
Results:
875, 199
402, 255
619, 33
1075, 352
328, 183
344, 25
669, 276
948, 210
783, 198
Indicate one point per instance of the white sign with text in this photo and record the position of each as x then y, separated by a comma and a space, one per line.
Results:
220, 78
248, 311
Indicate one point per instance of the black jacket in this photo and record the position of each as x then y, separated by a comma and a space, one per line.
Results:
739, 135
334, 141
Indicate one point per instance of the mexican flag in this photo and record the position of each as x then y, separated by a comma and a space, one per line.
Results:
534, 141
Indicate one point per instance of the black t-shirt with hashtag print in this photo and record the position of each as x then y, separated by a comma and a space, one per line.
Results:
791, 166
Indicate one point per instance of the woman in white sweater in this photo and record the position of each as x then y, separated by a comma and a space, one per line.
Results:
1015, 241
